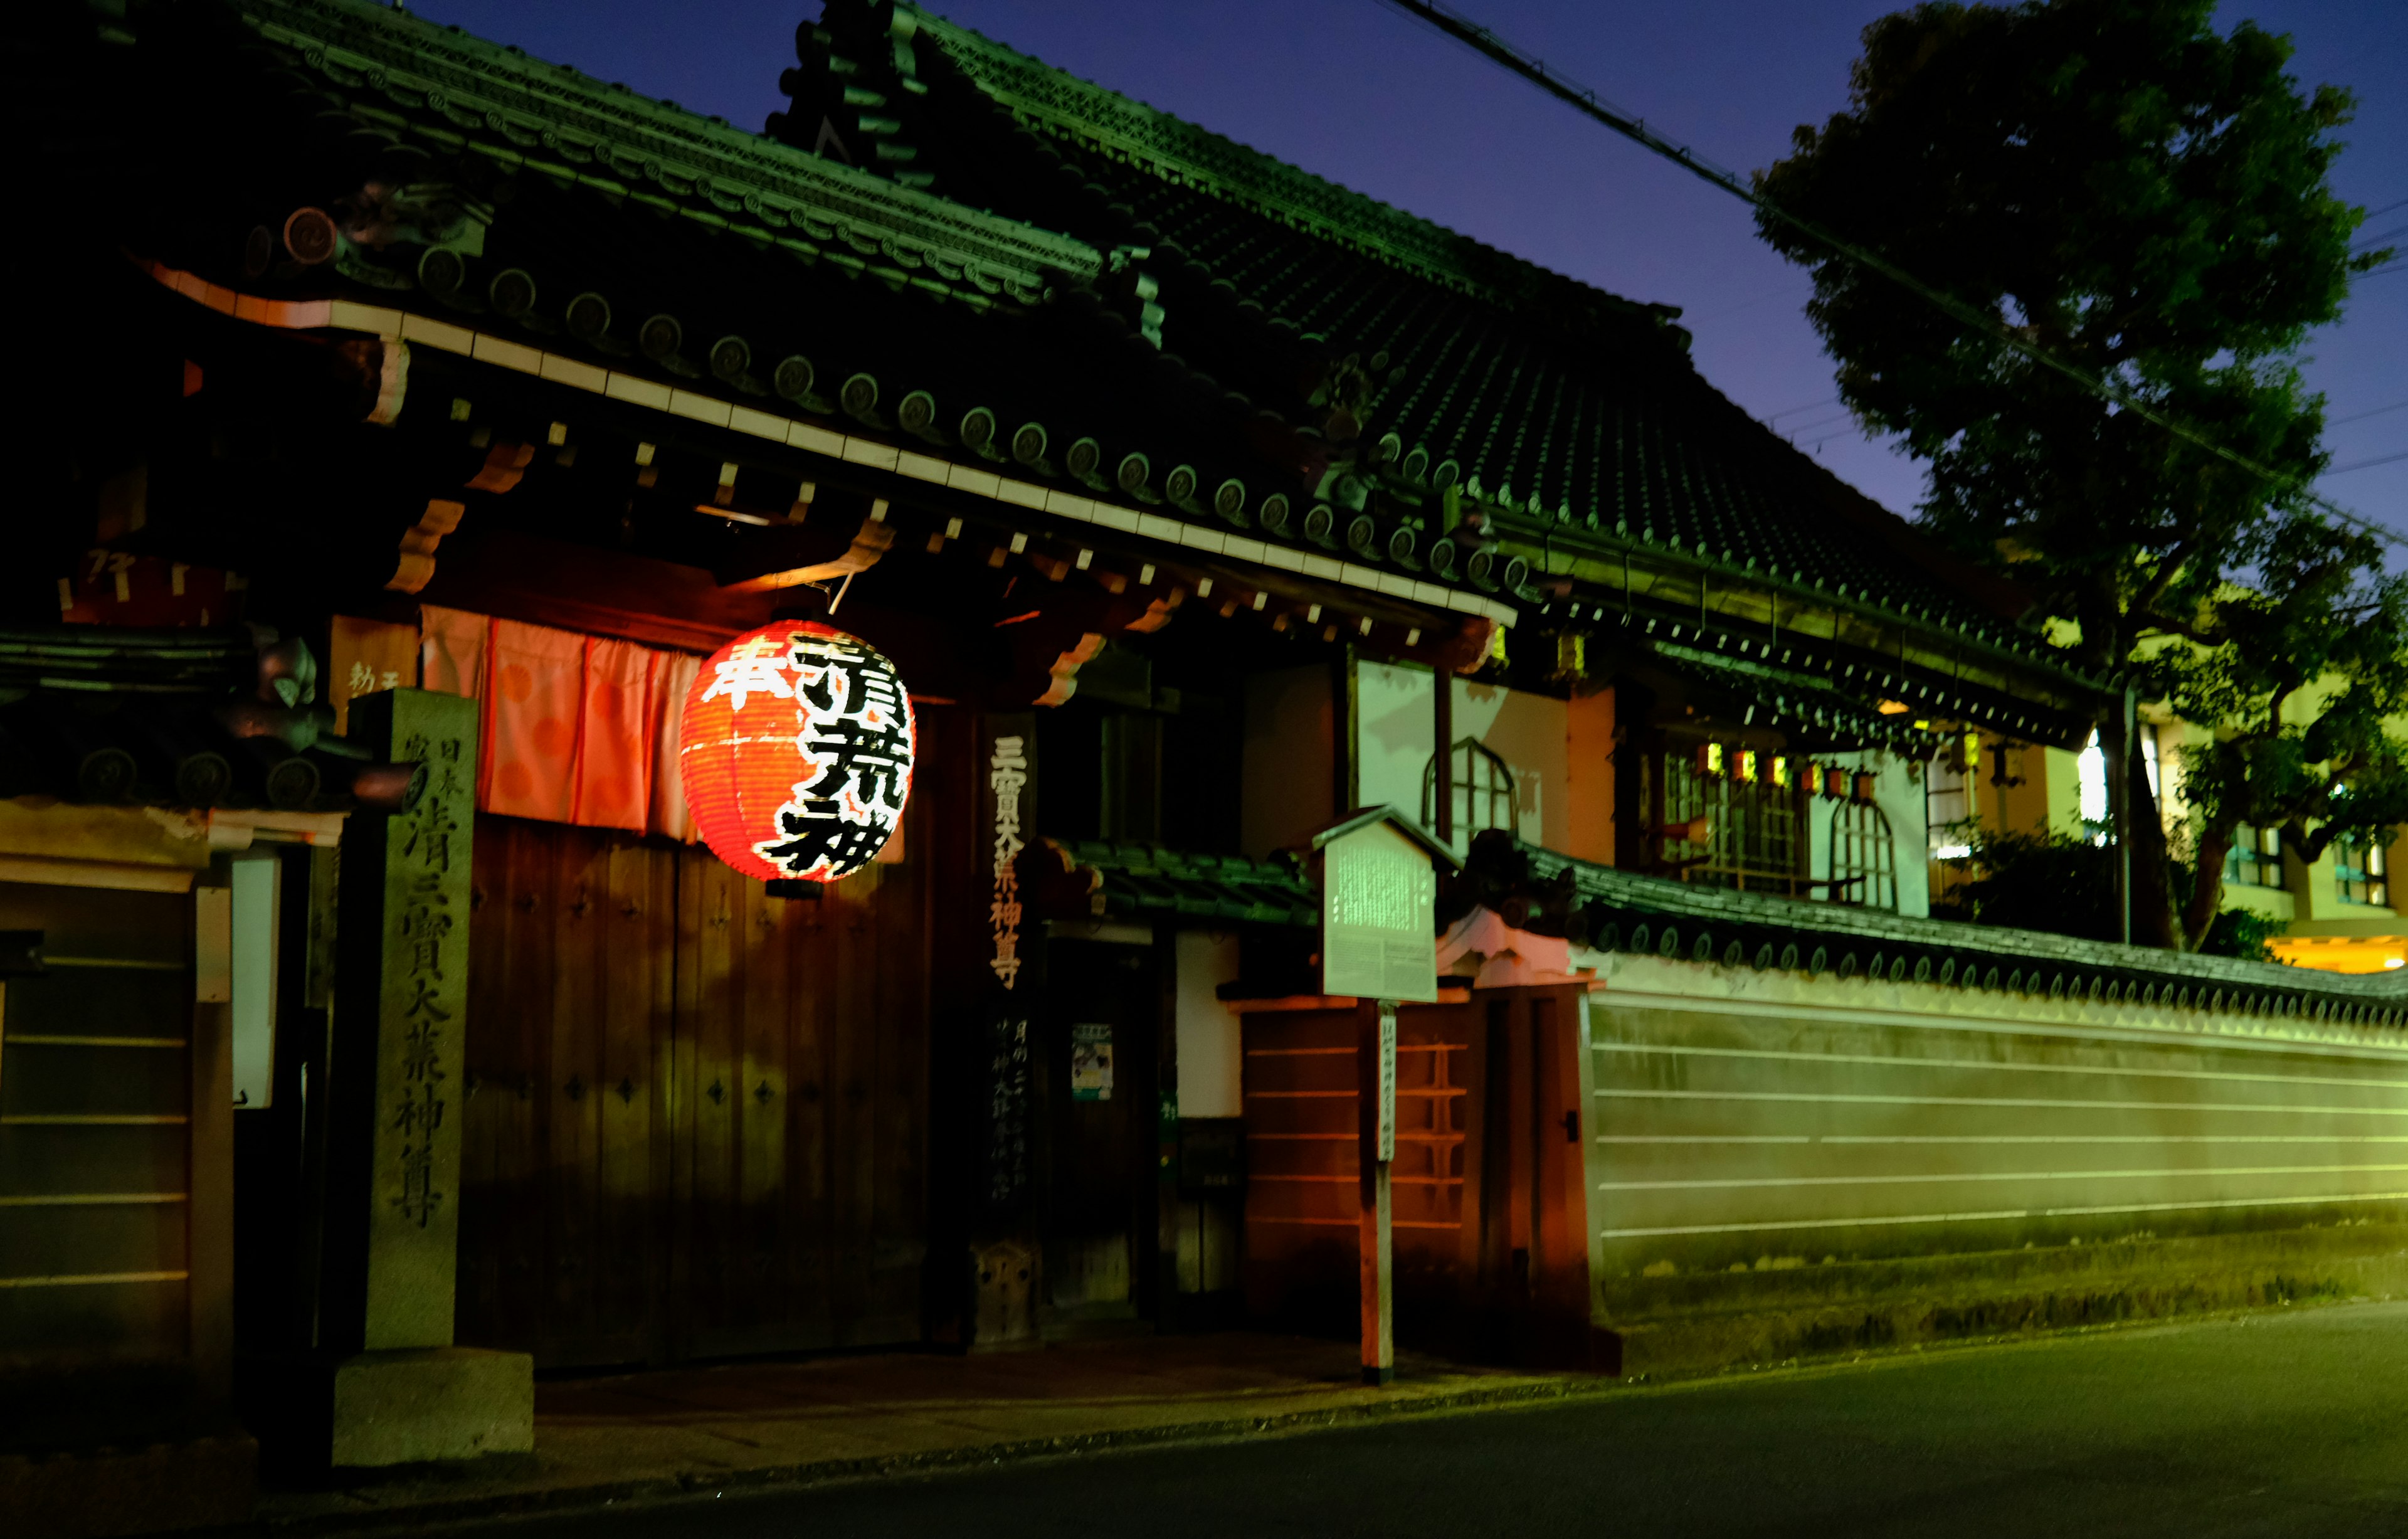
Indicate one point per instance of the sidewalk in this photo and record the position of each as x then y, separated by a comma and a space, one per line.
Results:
684, 1431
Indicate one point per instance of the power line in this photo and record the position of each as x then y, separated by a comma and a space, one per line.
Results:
1819, 421
1795, 409
2361, 416
2367, 465
1586, 101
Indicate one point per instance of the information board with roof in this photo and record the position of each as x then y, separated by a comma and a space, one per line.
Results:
1378, 897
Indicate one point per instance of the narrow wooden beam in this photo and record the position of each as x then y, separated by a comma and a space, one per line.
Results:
1376, 1064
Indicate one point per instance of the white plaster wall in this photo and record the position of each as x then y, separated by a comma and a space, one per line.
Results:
1394, 730
1395, 736
1899, 792
1211, 1063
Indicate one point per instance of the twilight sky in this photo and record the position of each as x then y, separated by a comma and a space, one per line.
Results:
1357, 92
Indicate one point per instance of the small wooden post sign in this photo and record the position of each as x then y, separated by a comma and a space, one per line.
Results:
1379, 943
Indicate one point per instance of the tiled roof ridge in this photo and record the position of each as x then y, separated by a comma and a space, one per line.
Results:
2007, 601
1710, 906
538, 110
1220, 166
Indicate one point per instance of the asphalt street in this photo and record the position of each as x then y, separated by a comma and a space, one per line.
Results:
2295, 1423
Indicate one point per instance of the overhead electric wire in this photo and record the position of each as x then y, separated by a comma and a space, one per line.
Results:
2368, 465
2361, 416
1586, 101
1791, 411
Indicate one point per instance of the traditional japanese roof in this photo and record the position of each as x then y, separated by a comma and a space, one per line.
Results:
1618, 911
1159, 331
402, 178
198, 718
1436, 373
116, 660
1146, 882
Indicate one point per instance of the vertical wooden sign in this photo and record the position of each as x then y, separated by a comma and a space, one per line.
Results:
1003, 1251
1008, 782
1376, 1086
1378, 903
403, 993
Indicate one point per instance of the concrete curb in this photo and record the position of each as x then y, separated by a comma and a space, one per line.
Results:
466, 1507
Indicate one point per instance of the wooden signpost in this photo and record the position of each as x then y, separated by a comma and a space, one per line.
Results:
1378, 943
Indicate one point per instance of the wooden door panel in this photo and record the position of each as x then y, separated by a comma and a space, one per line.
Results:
698, 1111
707, 983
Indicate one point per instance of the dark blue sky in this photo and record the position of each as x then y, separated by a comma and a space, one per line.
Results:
1357, 92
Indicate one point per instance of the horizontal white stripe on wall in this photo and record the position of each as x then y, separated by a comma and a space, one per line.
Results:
1929, 1177
1876, 1061
1853, 1140
2025, 1102
1994, 1214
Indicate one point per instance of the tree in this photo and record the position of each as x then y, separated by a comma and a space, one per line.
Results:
2115, 182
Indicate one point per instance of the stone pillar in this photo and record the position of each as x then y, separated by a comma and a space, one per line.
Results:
388, 1387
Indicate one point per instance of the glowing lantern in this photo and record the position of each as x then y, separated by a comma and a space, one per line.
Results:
795, 752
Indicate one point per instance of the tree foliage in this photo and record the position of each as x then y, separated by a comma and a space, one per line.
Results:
2116, 182
2063, 883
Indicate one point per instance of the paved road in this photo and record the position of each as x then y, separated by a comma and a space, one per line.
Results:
2293, 1424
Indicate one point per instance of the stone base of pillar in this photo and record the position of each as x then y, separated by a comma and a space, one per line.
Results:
421, 1406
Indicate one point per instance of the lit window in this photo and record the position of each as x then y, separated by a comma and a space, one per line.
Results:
1754, 843
2255, 859
1948, 808
2358, 874
1480, 789
2090, 771
1864, 863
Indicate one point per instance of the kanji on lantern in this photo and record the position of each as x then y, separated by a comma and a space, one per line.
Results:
795, 753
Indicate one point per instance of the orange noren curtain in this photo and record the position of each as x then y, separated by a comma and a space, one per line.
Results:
534, 718
614, 758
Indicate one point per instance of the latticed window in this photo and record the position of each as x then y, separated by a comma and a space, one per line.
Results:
1480, 790
1753, 841
2358, 872
1862, 850
1948, 809
2255, 859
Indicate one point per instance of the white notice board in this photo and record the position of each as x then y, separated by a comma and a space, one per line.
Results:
1378, 894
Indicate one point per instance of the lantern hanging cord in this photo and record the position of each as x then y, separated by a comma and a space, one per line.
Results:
1584, 100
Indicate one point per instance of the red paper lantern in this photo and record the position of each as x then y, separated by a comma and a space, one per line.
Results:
795, 753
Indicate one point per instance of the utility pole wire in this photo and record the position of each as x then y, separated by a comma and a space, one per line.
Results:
1494, 49
2368, 465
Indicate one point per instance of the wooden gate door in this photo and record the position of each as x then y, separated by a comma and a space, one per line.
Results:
801, 1072
695, 1112
1303, 1148
567, 1155
1531, 1235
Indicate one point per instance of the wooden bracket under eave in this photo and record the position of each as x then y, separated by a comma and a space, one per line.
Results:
869, 542
416, 567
